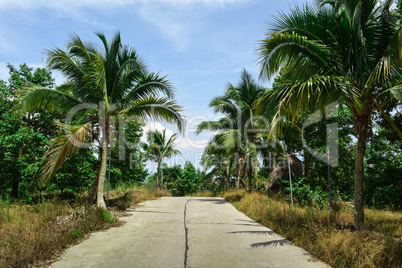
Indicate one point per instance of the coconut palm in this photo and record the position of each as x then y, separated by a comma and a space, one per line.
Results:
104, 82
219, 159
348, 49
159, 148
236, 131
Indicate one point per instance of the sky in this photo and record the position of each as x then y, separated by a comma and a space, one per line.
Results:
202, 45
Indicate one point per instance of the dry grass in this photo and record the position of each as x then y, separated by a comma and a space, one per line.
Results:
207, 194
121, 199
34, 235
328, 239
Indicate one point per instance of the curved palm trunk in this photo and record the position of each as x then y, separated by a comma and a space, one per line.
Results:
358, 182
94, 189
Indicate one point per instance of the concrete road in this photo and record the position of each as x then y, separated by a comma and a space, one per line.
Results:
186, 232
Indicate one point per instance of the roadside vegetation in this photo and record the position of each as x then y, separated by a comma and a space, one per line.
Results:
329, 238
326, 136
35, 234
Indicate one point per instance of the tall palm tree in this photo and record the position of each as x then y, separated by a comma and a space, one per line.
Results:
105, 82
236, 135
348, 49
159, 147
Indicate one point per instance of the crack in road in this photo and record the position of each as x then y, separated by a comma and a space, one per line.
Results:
186, 234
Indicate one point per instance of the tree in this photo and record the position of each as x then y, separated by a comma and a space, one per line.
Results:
104, 82
23, 137
159, 148
189, 182
344, 49
132, 170
219, 161
383, 185
238, 134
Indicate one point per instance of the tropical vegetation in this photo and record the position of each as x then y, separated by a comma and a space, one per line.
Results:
317, 156
336, 50
102, 85
160, 147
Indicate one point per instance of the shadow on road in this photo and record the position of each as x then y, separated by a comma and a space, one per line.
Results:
211, 200
254, 232
273, 243
145, 211
247, 224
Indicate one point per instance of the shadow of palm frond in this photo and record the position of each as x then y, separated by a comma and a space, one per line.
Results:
254, 232
244, 220
217, 201
145, 211
246, 224
273, 243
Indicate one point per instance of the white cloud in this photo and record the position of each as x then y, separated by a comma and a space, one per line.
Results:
169, 25
190, 144
191, 149
205, 2
153, 126
66, 4
183, 142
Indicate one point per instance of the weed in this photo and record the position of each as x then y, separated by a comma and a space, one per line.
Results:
107, 216
77, 234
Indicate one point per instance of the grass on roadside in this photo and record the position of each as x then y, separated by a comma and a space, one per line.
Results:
123, 196
31, 235
329, 239
207, 194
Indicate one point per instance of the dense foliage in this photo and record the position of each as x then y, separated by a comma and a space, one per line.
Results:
24, 139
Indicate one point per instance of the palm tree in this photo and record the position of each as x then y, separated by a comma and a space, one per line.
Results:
219, 159
348, 49
105, 82
159, 148
236, 135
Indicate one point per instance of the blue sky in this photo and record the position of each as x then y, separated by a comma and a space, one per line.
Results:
201, 45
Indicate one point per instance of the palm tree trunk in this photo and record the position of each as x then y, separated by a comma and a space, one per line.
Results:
250, 175
158, 172
358, 183
94, 188
227, 176
238, 174
103, 163
162, 175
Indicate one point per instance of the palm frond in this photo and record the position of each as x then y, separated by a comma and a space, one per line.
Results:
62, 146
160, 109
290, 49
45, 99
148, 86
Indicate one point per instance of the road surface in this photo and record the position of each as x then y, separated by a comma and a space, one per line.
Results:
186, 232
